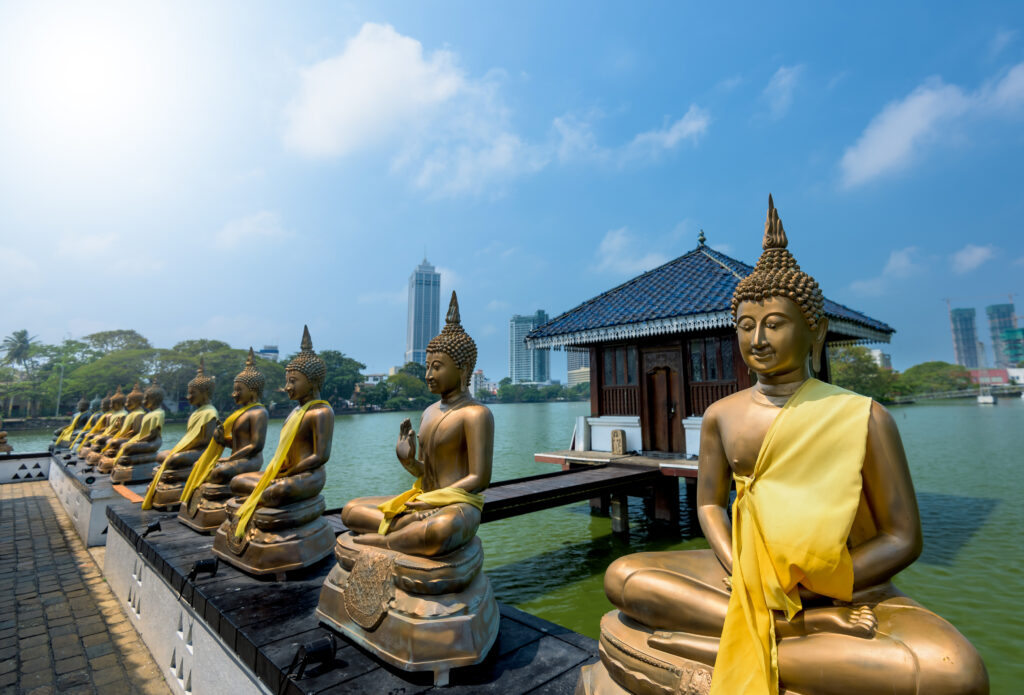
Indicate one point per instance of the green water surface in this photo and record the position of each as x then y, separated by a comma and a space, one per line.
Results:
968, 467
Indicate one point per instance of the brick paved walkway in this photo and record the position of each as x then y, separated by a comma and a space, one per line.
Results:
61, 628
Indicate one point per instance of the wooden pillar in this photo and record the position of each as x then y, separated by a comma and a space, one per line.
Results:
666, 500
599, 505
691, 507
620, 513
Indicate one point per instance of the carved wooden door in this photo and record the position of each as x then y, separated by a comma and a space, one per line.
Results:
663, 425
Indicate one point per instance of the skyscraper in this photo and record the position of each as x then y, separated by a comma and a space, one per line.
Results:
424, 311
577, 359
1000, 319
965, 337
530, 366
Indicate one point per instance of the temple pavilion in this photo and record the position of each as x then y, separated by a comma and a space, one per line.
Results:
663, 348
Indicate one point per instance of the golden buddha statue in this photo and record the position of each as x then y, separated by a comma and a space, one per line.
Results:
207, 489
794, 595
408, 585
136, 458
274, 524
63, 436
5, 448
98, 443
176, 463
96, 424
130, 426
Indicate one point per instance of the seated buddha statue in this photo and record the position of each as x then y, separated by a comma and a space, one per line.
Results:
274, 523
136, 458
164, 492
63, 436
5, 448
98, 443
96, 424
408, 584
208, 487
794, 595
130, 426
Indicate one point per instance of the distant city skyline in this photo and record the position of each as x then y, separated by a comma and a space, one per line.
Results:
525, 365
424, 319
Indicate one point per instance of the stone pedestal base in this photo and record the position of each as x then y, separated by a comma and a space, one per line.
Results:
167, 497
629, 666
270, 547
207, 509
137, 473
372, 602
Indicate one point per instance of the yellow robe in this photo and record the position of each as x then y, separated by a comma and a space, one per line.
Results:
67, 431
150, 422
790, 523
435, 498
201, 471
196, 422
87, 428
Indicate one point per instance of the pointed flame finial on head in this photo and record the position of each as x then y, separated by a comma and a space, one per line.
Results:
455, 342
453, 316
307, 342
250, 361
774, 234
201, 381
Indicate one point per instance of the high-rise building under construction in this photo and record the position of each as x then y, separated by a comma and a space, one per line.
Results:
965, 337
1001, 319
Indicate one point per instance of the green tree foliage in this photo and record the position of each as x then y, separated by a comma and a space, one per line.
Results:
18, 348
853, 368
529, 393
343, 373
199, 346
226, 362
120, 368
414, 369
108, 341
406, 392
376, 395
934, 376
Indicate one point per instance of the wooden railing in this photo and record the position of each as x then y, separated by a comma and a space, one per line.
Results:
704, 394
620, 400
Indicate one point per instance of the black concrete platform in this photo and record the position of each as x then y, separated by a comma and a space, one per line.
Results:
263, 622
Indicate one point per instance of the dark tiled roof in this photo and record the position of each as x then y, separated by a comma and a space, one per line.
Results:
700, 282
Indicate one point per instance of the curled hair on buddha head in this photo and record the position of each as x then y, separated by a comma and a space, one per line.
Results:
117, 400
155, 390
308, 363
455, 342
250, 376
136, 393
105, 404
778, 275
201, 382
83, 403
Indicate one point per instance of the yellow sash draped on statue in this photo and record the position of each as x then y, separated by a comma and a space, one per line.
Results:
113, 425
101, 423
196, 422
66, 432
86, 428
790, 523
205, 464
131, 422
435, 498
284, 444
150, 422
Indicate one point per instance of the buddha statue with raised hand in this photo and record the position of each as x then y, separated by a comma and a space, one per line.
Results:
130, 426
274, 525
98, 443
208, 487
63, 436
408, 585
164, 492
794, 595
136, 459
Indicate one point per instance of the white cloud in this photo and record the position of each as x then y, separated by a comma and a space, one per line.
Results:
902, 263
1019, 261
83, 246
17, 265
1002, 39
450, 281
896, 137
779, 91
691, 127
259, 228
396, 298
621, 253
729, 83
971, 257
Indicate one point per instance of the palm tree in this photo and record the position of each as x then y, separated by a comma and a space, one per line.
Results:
18, 346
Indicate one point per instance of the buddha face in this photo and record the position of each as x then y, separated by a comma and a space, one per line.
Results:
152, 401
443, 375
197, 398
242, 394
297, 385
774, 337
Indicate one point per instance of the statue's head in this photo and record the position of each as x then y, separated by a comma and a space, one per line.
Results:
249, 382
154, 397
117, 400
135, 397
778, 309
305, 374
83, 404
96, 403
200, 389
106, 405
454, 344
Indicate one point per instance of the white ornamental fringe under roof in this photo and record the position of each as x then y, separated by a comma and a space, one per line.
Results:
853, 333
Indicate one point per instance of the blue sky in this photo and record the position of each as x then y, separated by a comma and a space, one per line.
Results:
235, 170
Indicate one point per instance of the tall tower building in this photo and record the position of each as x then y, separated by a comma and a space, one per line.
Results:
424, 311
965, 337
1001, 318
527, 366
577, 359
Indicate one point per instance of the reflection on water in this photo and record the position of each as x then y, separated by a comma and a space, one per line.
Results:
967, 467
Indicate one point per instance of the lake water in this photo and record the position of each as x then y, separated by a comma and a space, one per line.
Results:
968, 468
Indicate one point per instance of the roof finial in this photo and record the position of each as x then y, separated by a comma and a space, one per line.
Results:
701, 238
